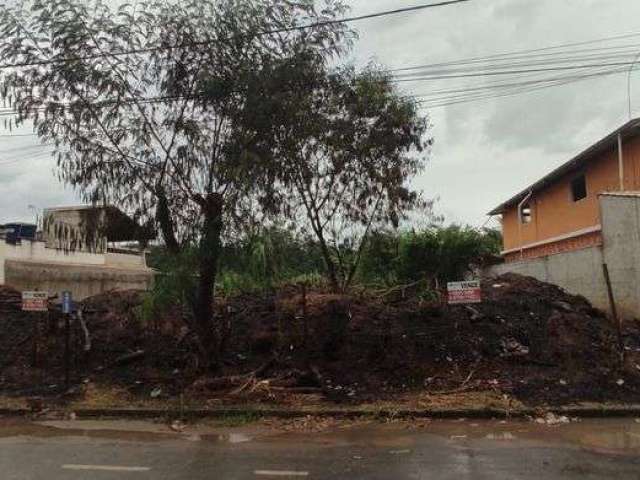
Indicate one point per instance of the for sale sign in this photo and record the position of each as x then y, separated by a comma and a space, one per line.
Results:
35, 301
460, 293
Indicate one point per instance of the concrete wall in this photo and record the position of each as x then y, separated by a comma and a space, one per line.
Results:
82, 280
580, 271
621, 232
37, 251
30, 265
124, 260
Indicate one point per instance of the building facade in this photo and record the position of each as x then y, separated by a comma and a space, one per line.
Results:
561, 212
68, 255
584, 215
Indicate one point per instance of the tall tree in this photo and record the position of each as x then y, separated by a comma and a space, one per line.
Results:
353, 144
148, 106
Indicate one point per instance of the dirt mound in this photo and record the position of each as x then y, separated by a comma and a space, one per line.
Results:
10, 299
527, 339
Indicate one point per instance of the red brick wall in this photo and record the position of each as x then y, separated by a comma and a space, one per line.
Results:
567, 245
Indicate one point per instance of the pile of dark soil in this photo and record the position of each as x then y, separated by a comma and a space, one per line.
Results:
527, 339
10, 299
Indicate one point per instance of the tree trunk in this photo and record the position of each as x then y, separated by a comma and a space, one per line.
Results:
331, 267
209, 254
163, 217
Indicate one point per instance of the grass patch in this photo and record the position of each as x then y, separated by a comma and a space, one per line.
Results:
239, 419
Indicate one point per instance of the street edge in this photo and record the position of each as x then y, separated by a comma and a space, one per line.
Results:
486, 413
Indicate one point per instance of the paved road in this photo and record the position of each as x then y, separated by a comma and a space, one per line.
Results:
439, 450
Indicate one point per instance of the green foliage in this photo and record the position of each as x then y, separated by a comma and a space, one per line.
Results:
175, 283
239, 419
167, 132
257, 262
352, 144
272, 255
436, 254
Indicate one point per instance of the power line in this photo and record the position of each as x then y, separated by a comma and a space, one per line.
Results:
481, 73
521, 87
455, 99
433, 103
514, 62
40, 156
509, 72
534, 51
24, 147
322, 23
524, 82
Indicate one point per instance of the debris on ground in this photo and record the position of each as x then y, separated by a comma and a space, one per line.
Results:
527, 342
552, 419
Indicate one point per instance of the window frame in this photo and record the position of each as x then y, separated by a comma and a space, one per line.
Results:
521, 216
572, 196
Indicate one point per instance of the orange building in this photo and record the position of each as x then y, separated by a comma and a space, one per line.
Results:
561, 212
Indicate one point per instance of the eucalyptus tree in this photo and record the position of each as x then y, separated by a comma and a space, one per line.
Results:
353, 145
151, 107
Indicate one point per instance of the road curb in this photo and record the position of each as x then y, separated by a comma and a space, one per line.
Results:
488, 413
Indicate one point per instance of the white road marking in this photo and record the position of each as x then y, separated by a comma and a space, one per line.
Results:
281, 473
106, 468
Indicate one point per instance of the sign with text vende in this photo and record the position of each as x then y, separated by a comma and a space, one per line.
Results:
35, 301
460, 293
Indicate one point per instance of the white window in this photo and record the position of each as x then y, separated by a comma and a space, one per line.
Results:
525, 213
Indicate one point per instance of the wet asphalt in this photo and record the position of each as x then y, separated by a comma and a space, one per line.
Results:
590, 449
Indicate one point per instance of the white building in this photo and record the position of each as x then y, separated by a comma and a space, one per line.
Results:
76, 250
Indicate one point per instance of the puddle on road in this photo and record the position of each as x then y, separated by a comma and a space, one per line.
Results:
232, 438
598, 435
112, 430
625, 437
20, 428
605, 435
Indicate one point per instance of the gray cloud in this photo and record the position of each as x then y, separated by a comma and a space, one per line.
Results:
488, 150
484, 151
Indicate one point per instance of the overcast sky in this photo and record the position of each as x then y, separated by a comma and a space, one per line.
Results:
484, 151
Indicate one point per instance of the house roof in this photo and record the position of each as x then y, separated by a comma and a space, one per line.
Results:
118, 226
629, 129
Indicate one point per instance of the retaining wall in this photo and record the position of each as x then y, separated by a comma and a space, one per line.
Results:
30, 265
580, 271
82, 280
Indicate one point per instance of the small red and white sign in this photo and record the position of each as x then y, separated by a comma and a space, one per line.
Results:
35, 301
460, 293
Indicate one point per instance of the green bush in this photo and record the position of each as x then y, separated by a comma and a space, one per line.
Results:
174, 284
436, 254
275, 256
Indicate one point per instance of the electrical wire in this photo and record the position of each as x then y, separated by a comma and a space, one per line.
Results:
445, 101
308, 26
473, 98
16, 161
552, 62
24, 147
532, 52
524, 82
509, 72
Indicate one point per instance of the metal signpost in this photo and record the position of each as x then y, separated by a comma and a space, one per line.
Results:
461, 293
67, 308
35, 301
67, 302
